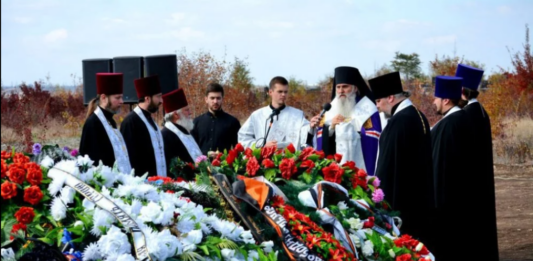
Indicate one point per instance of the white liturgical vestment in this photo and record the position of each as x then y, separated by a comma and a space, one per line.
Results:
290, 126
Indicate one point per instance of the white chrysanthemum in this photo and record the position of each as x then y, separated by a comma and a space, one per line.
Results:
253, 255
8, 254
152, 213
163, 245
145, 191
247, 237
88, 205
79, 224
57, 183
105, 192
88, 176
101, 218
185, 226
268, 246
105, 176
84, 161
58, 209
355, 239
192, 239
68, 166
228, 230
342, 205
92, 252
355, 223
114, 242
123, 191
368, 248
67, 194
125, 257
47, 162
136, 207
228, 254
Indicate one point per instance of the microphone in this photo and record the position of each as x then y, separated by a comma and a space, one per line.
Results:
275, 112
325, 108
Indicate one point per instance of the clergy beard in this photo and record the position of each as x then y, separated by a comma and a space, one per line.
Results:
462, 103
153, 108
109, 109
343, 106
185, 122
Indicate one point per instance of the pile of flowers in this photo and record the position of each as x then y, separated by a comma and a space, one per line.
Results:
174, 226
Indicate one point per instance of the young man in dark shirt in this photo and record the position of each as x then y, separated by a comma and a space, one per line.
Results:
215, 130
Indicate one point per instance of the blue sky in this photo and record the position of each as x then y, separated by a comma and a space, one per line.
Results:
304, 39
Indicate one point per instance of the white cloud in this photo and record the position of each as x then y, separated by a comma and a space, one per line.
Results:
503, 9
442, 39
56, 35
22, 19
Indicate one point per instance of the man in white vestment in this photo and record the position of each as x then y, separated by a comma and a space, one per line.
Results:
179, 143
352, 126
285, 124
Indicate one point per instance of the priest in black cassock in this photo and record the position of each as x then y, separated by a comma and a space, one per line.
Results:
100, 138
455, 176
215, 130
404, 162
483, 190
141, 133
179, 143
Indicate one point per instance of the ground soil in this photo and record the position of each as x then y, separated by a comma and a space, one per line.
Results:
514, 205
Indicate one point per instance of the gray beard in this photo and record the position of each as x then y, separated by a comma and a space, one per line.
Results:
186, 123
344, 106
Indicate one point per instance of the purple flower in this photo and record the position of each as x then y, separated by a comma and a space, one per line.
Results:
74, 153
66, 149
378, 196
376, 182
37, 148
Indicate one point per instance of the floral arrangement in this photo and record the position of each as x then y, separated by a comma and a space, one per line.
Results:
56, 214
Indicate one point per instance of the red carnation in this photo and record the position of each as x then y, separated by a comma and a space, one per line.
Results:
308, 151
25, 215
291, 148
252, 166
267, 152
16, 228
6, 155
277, 201
34, 176
369, 223
333, 173
288, 168
9, 190
320, 154
4, 168
33, 195
404, 257
21, 158
350, 165
239, 148
219, 156
267, 163
249, 153
216, 163
16, 173
309, 164
338, 157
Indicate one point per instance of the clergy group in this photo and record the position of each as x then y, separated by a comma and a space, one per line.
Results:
439, 177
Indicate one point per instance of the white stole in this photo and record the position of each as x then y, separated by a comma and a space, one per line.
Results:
122, 158
157, 144
188, 141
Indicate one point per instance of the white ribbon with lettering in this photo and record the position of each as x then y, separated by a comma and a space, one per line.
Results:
139, 240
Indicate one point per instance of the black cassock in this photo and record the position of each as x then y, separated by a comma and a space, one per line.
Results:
174, 147
218, 131
139, 143
95, 142
455, 182
483, 190
406, 171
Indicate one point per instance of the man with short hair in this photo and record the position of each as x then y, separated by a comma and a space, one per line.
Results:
453, 176
287, 124
141, 133
100, 138
215, 130
179, 143
352, 127
481, 140
407, 138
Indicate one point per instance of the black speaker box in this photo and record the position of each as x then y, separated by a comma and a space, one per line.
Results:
90, 68
132, 68
166, 67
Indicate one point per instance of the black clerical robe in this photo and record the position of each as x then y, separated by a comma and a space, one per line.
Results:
216, 131
455, 181
406, 171
95, 142
139, 143
174, 147
483, 190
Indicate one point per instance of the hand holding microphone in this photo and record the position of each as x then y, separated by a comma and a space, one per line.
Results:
315, 121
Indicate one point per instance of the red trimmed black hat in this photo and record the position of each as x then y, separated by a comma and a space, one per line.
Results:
174, 100
109, 83
147, 86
